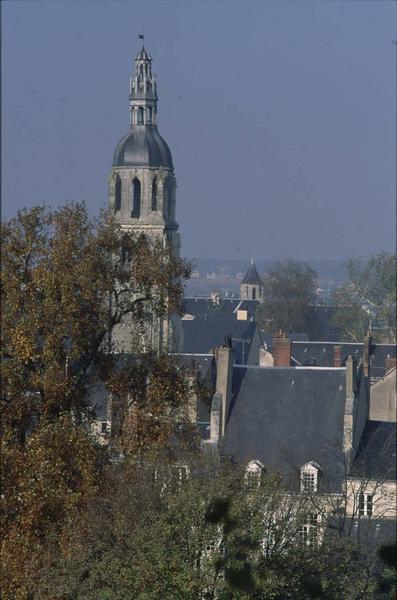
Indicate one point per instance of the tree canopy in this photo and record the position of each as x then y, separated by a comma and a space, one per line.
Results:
200, 529
289, 287
368, 297
67, 280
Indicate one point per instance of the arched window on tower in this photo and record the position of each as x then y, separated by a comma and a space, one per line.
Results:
117, 194
254, 293
154, 194
149, 116
140, 115
135, 197
169, 197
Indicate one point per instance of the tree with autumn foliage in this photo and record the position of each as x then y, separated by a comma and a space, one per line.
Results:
67, 281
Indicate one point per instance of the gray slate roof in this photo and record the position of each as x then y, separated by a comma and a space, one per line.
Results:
204, 307
286, 417
142, 146
252, 275
321, 354
201, 336
376, 454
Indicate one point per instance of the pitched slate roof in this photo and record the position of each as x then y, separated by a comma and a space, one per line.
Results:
202, 307
252, 275
286, 417
201, 336
321, 354
376, 454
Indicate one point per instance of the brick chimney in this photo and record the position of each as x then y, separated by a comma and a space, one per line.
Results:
390, 363
281, 350
337, 356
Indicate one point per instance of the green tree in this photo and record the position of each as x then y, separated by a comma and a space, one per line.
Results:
369, 294
289, 289
188, 527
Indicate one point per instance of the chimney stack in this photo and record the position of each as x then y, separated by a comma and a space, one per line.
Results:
367, 353
224, 374
281, 350
337, 356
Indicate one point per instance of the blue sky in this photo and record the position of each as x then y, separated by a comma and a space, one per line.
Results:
280, 116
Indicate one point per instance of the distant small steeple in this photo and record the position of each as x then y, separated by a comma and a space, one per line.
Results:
252, 275
251, 287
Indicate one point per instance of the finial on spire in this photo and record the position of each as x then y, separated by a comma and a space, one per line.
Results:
141, 36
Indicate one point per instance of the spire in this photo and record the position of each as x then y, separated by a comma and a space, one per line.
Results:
143, 91
252, 275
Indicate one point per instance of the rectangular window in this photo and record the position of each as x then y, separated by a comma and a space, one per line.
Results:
309, 531
308, 534
309, 482
365, 505
104, 427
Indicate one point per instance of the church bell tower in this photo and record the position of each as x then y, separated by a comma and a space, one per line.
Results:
142, 182
142, 189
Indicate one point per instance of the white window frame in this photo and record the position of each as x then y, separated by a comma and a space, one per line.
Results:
310, 477
366, 504
309, 532
253, 473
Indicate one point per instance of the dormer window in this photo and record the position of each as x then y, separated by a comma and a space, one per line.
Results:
253, 474
309, 477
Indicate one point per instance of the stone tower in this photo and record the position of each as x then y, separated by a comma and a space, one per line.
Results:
142, 182
251, 287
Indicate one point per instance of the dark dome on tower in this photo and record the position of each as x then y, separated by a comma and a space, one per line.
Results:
142, 147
